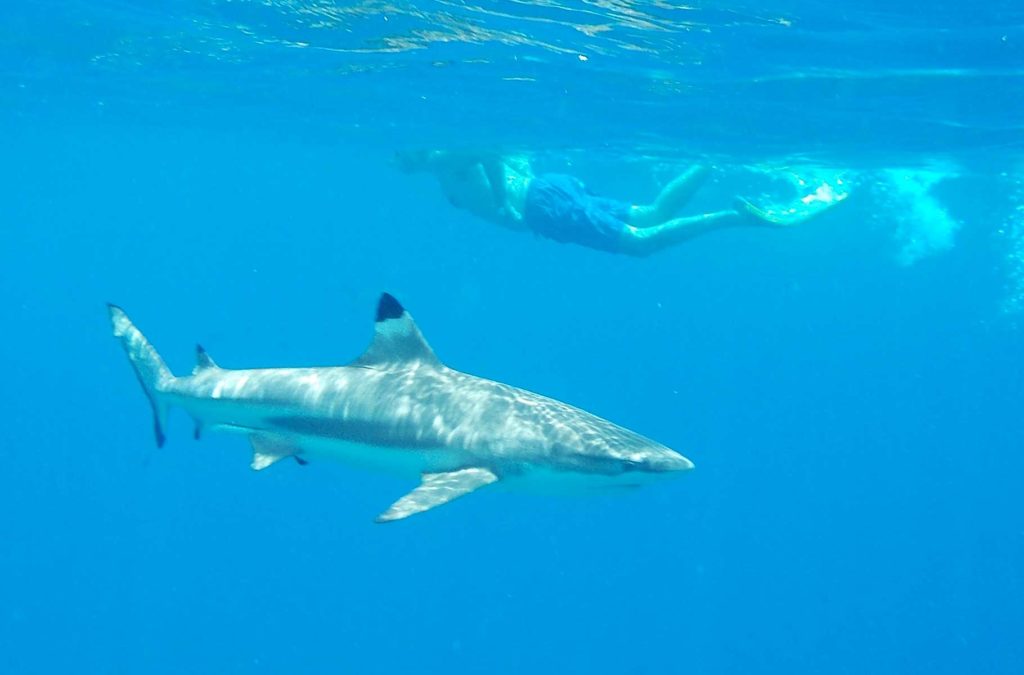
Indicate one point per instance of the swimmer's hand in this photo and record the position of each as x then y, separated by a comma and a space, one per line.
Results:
412, 161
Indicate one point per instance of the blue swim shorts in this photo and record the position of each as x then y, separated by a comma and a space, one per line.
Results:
561, 208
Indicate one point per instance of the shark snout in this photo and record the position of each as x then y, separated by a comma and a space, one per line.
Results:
668, 460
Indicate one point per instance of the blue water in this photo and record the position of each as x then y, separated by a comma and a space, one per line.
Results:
850, 390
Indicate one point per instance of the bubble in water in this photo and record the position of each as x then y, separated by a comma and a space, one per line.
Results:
1014, 234
923, 225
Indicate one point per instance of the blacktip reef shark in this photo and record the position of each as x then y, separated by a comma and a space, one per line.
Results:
397, 408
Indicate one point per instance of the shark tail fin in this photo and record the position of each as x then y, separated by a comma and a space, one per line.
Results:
153, 373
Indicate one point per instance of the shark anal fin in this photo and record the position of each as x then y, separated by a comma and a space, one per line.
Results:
302, 462
267, 450
437, 489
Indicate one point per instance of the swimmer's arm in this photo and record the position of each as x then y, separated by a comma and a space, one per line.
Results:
487, 168
458, 160
497, 168
494, 168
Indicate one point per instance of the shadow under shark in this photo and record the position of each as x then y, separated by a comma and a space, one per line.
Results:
397, 408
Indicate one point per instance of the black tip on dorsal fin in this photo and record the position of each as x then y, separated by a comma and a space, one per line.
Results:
203, 360
389, 308
396, 338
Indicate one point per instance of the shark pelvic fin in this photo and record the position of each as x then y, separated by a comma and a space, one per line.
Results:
267, 450
396, 338
203, 360
437, 489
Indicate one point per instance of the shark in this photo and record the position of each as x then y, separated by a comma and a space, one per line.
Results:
397, 408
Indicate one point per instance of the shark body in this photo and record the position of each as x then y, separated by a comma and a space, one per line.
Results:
397, 408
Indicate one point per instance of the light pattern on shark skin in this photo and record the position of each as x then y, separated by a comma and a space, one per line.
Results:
398, 409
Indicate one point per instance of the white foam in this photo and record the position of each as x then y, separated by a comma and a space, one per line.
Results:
923, 225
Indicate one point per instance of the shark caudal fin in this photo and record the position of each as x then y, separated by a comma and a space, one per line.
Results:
151, 370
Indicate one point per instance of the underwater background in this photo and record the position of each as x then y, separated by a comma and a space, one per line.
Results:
850, 390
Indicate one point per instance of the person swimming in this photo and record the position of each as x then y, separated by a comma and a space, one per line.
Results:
503, 189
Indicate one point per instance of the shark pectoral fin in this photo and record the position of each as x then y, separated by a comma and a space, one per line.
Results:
437, 489
267, 450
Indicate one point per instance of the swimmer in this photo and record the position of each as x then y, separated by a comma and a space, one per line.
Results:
503, 189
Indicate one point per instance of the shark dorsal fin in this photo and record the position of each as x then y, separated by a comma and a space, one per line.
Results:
396, 338
203, 360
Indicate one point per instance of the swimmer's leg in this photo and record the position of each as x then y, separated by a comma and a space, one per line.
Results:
642, 241
671, 199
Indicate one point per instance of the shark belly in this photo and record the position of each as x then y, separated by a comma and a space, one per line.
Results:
276, 425
541, 479
395, 461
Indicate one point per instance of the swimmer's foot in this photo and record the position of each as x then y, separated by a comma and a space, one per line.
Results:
772, 217
811, 205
